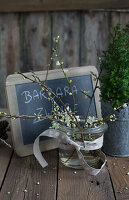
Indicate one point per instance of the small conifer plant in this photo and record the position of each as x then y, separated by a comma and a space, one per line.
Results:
115, 60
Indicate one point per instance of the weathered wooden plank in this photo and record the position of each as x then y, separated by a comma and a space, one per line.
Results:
67, 26
80, 186
5, 155
25, 40
119, 169
9, 54
124, 19
114, 20
3, 69
94, 36
35, 41
32, 5
26, 180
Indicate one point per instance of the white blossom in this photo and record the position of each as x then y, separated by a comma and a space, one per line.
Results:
57, 63
124, 105
91, 120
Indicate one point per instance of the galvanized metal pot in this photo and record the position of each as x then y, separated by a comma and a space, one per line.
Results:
116, 139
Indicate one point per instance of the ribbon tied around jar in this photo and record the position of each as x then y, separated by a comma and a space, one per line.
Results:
64, 142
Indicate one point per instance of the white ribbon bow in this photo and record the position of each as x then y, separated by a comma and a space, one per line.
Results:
66, 143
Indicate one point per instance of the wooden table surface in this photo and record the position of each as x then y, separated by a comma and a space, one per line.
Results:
25, 179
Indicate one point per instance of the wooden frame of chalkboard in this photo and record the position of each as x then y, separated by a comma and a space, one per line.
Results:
16, 89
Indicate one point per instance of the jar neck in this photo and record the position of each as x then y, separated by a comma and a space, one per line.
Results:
98, 129
88, 134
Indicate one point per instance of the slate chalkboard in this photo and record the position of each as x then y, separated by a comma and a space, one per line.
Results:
27, 98
31, 99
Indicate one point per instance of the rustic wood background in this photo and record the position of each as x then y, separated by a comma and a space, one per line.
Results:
54, 5
26, 39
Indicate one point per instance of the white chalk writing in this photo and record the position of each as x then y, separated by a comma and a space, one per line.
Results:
40, 112
27, 96
36, 95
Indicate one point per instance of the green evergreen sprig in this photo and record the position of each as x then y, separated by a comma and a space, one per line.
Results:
115, 83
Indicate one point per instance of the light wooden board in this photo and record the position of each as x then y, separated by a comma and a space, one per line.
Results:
119, 169
124, 19
25, 44
34, 41
39, 5
5, 155
114, 20
66, 25
25, 173
26, 39
80, 186
9, 50
94, 36
57, 182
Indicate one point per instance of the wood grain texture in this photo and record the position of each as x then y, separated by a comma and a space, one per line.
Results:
5, 154
40, 5
9, 55
25, 44
26, 39
23, 176
35, 41
80, 186
124, 19
94, 36
114, 20
67, 25
119, 169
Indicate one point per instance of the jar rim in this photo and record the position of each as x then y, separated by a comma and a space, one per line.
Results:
98, 129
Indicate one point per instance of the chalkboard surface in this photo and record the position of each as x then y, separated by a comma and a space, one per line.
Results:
32, 99
27, 98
